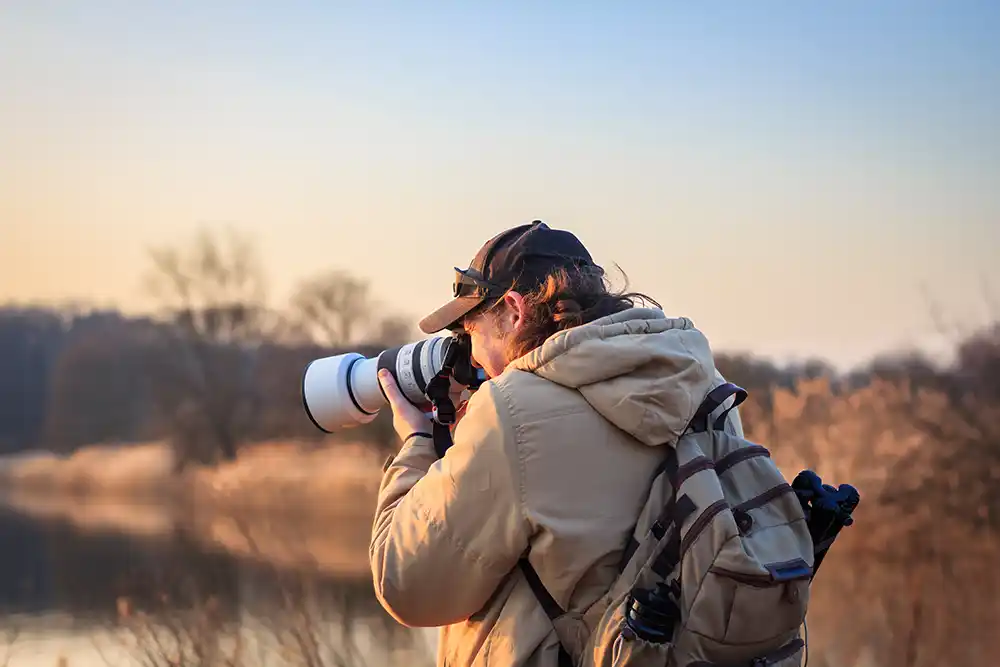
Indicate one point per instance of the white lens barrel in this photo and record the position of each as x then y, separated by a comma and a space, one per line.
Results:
343, 390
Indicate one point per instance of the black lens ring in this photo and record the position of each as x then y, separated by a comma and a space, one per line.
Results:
418, 372
387, 361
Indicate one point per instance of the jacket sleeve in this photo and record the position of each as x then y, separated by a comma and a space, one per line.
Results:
446, 532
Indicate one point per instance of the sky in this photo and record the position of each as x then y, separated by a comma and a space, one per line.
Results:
800, 179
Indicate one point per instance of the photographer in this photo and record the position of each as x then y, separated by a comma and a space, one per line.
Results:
532, 506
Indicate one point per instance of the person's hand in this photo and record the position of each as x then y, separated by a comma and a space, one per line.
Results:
406, 417
458, 400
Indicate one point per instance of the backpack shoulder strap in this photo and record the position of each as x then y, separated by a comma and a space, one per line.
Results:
549, 605
713, 402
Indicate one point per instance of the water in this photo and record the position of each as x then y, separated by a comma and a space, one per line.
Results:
132, 585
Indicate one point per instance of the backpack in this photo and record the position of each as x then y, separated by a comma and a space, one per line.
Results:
717, 570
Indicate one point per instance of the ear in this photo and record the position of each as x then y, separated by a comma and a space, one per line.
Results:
515, 309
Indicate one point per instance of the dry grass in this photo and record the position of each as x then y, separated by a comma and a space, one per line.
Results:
284, 475
286, 504
291, 478
141, 470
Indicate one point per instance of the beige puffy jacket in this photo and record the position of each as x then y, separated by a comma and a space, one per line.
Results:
553, 459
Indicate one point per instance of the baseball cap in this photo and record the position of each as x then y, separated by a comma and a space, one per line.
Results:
518, 258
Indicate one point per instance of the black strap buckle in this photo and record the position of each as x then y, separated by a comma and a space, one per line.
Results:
444, 413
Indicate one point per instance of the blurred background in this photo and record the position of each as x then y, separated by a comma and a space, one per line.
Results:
196, 199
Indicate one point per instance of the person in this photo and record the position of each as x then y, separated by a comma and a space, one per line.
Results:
551, 460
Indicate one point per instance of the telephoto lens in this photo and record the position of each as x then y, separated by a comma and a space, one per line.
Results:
652, 614
343, 391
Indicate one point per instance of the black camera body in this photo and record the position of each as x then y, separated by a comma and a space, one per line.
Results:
463, 370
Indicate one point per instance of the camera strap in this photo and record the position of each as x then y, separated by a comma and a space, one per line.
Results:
442, 437
444, 415
444, 412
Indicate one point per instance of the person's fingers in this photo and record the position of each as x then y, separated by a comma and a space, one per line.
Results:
389, 386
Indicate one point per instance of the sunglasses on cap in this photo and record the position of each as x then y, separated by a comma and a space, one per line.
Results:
470, 282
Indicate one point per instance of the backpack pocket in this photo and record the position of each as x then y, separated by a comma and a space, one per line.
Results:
630, 650
789, 659
782, 597
789, 655
755, 592
765, 572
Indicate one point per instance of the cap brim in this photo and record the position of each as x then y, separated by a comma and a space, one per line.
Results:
449, 314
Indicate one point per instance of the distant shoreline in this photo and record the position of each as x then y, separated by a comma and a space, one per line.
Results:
288, 505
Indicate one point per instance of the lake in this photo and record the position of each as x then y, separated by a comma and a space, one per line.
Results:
133, 585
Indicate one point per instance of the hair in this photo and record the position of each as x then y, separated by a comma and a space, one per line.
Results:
567, 298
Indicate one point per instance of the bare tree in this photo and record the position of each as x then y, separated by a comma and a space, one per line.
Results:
213, 293
394, 330
215, 287
332, 308
336, 309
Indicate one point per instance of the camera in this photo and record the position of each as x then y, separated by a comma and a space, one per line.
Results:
343, 391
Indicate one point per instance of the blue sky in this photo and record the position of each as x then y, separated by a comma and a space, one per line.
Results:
790, 175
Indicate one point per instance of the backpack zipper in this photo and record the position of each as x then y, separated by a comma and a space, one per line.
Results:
701, 463
701, 523
755, 580
765, 498
692, 468
738, 456
786, 651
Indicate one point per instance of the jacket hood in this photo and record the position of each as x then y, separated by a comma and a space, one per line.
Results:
641, 370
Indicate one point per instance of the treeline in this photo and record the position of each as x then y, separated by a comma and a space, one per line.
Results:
78, 378
214, 367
